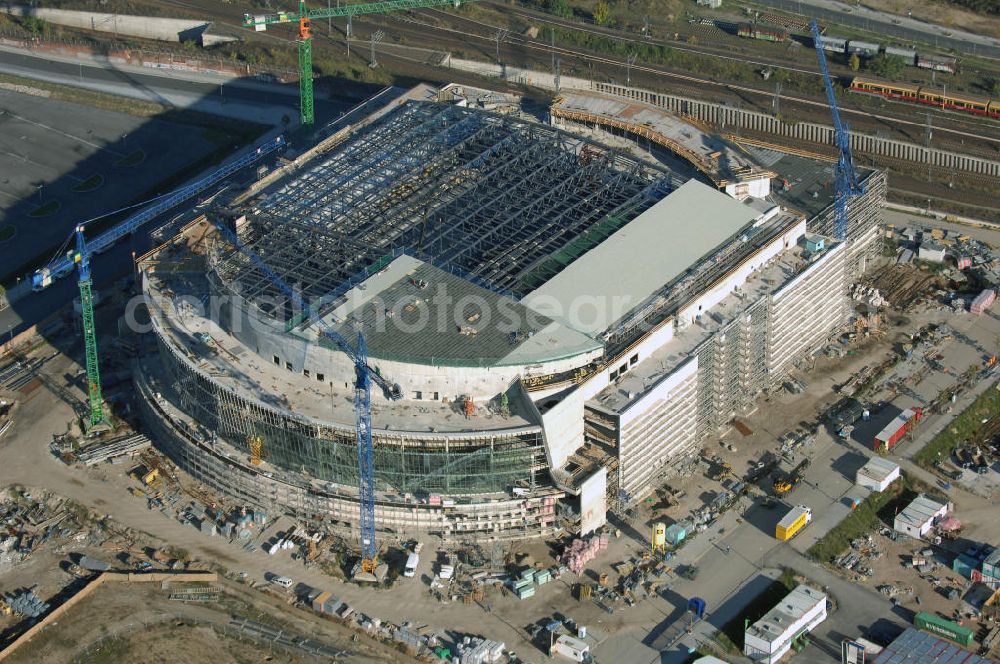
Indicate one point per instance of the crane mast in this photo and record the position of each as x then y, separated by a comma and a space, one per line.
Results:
847, 179
62, 266
304, 18
364, 374
95, 399
366, 470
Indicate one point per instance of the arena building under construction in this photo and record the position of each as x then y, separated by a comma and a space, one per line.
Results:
565, 322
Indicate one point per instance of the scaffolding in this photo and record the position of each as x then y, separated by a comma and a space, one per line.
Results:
503, 201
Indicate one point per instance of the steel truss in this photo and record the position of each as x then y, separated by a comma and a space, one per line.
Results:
487, 196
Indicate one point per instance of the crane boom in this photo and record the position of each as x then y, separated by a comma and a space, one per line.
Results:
84, 249
847, 177
362, 404
391, 390
62, 266
260, 22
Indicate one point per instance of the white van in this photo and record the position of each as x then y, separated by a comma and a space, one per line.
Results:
411, 565
282, 581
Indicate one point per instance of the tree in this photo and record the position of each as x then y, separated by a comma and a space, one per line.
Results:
854, 61
996, 88
886, 66
602, 13
560, 8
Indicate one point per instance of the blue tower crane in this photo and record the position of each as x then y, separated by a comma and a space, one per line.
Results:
62, 266
847, 178
364, 374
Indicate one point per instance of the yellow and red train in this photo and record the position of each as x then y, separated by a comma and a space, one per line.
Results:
919, 94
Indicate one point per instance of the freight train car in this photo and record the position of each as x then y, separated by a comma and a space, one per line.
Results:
833, 44
765, 33
937, 63
862, 49
907, 55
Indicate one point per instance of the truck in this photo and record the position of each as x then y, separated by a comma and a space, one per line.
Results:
895, 430
792, 523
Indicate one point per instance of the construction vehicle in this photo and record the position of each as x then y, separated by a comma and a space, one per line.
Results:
725, 470
787, 483
151, 476
796, 519
848, 185
364, 375
304, 18
762, 468
63, 266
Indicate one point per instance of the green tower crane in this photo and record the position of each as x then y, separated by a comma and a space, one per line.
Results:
304, 18
80, 258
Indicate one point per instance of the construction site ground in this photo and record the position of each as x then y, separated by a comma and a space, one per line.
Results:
739, 548
138, 623
913, 586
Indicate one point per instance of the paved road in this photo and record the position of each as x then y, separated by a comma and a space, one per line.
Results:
219, 95
905, 219
897, 27
242, 99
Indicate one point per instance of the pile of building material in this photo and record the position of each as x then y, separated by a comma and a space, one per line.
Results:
859, 558
868, 295
26, 603
890, 590
113, 449
474, 650
582, 551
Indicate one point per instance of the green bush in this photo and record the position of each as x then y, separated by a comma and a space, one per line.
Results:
874, 511
964, 427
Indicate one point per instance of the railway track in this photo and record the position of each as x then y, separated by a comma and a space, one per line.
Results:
950, 130
816, 108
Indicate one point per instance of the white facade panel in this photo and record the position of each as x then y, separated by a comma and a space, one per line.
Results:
657, 428
740, 275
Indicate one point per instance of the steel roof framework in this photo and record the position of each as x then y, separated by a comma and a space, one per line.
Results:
484, 195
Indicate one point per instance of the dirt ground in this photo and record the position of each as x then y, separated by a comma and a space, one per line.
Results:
941, 13
889, 569
137, 623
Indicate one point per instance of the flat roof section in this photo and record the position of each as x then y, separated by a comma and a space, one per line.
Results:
649, 252
878, 468
414, 312
921, 510
795, 605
